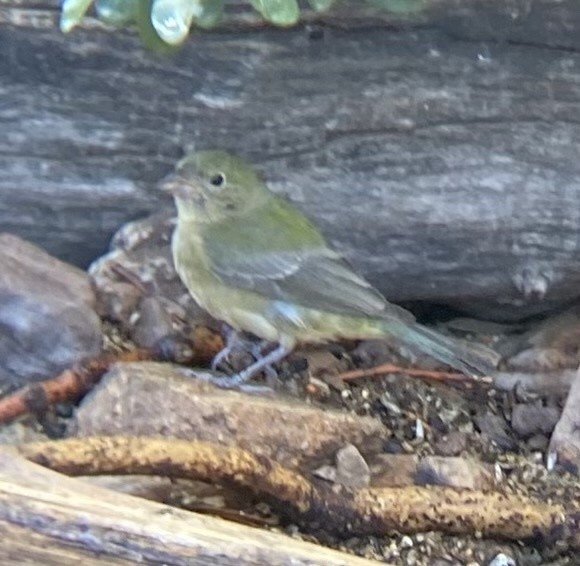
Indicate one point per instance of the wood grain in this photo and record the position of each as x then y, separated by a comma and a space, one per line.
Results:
439, 155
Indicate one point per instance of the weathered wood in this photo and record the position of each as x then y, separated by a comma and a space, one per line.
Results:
50, 519
445, 168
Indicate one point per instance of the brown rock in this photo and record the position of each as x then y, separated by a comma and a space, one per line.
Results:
398, 470
158, 399
466, 473
394, 470
140, 265
47, 321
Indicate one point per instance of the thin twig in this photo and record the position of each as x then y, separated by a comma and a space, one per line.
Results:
383, 369
67, 386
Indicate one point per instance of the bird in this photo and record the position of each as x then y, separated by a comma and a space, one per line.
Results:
253, 260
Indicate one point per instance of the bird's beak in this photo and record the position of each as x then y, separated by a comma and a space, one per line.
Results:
183, 189
173, 184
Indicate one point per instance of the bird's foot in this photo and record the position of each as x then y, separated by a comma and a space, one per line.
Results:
262, 364
225, 382
234, 342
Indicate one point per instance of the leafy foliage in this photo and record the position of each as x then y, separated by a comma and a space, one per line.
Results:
165, 24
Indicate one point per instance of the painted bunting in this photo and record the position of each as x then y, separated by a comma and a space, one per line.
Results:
253, 260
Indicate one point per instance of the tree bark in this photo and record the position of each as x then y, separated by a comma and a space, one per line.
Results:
439, 154
50, 519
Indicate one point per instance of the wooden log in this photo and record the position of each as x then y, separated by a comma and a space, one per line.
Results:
50, 519
444, 168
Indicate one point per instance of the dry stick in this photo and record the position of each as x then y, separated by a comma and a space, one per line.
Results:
72, 383
315, 505
67, 386
413, 372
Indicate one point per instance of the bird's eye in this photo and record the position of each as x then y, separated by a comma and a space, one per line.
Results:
218, 180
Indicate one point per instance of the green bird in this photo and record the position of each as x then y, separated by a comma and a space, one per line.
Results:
253, 260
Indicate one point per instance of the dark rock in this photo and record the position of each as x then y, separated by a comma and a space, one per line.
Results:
538, 443
546, 384
451, 444
496, 429
47, 321
530, 418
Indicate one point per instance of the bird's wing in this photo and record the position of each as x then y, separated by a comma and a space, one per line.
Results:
278, 253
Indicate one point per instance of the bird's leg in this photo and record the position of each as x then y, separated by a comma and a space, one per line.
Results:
232, 340
245, 375
235, 340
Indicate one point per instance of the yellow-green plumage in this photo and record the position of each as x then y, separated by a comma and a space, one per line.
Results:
253, 260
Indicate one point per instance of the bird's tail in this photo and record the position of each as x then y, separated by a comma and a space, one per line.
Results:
468, 357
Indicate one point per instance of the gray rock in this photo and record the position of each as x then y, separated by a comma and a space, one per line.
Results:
452, 444
530, 418
47, 321
496, 429
152, 324
351, 468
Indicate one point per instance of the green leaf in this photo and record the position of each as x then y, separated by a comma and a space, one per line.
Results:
117, 12
147, 31
172, 19
321, 5
279, 12
212, 12
72, 13
401, 7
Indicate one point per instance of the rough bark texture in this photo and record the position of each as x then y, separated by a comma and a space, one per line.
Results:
47, 518
440, 156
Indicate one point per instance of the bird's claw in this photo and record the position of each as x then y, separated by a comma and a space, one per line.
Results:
235, 342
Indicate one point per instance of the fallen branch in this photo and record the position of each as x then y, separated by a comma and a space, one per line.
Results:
73, 383
48, 518
312, 504
66, 387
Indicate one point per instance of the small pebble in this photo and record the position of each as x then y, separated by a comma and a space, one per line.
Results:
406, 542
419, 430
503, 560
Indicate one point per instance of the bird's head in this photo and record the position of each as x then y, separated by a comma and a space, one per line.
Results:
214, 185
